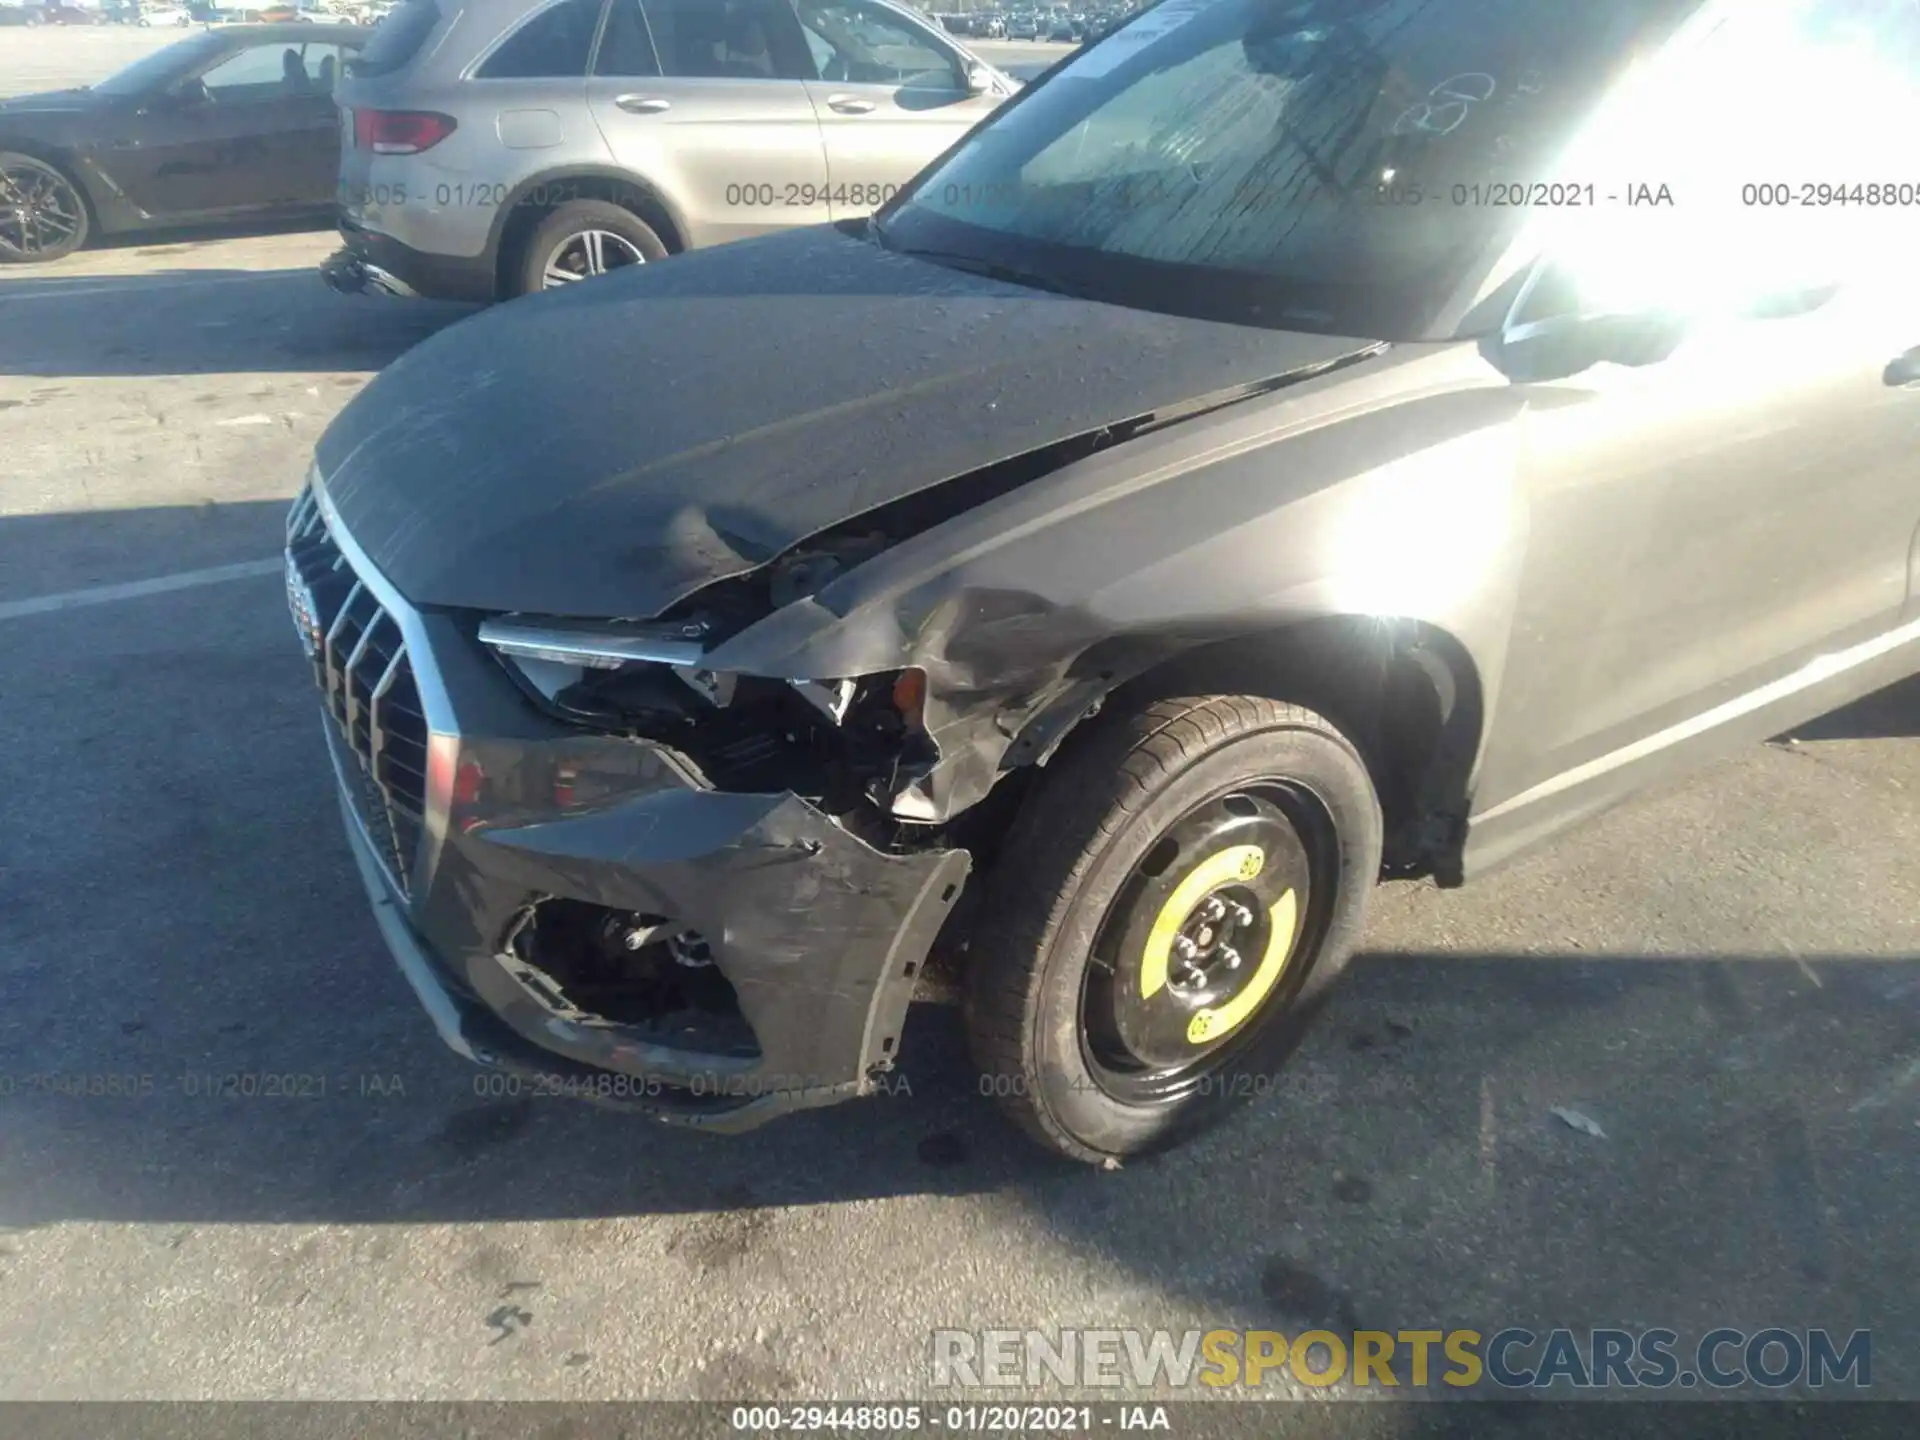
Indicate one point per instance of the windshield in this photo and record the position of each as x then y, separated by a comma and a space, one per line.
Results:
151, 71
1299, 163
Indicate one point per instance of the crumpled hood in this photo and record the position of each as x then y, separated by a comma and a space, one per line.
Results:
607, 449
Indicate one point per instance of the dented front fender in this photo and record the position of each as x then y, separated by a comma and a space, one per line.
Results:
1388, 493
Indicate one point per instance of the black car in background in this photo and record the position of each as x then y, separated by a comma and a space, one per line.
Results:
230, 124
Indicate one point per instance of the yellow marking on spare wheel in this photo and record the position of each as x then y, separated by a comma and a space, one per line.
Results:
1236, 862
1212, 1024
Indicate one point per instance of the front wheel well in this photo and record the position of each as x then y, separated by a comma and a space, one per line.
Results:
534, 201
1407, 694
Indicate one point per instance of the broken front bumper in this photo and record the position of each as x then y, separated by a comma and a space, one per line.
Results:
471, 814
820, 936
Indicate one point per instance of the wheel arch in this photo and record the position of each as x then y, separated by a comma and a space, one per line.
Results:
1407, 692
1093, 852
526, 206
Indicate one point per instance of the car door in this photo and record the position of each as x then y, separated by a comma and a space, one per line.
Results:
240, 140
314, 148
705, 103
1707, 527
890, 93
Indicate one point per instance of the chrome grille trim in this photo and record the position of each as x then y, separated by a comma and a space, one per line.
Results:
381, 695
304, 516
376, 732
349, 705
330, 648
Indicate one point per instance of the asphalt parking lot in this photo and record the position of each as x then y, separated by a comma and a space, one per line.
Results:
1724, 975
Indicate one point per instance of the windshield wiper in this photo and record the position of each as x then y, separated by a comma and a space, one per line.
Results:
991, 270
972, 264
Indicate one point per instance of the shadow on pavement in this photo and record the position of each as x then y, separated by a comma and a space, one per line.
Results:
187, 321
178, 906
1894, 711
322, 223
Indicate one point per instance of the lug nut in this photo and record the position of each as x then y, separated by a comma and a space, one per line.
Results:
1215, 907
1242, 916
1231, 956
1185, 949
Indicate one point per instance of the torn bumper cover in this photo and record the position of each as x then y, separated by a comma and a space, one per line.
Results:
819, 935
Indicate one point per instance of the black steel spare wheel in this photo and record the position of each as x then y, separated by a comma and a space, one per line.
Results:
1199, 940
1181, 888
42, 216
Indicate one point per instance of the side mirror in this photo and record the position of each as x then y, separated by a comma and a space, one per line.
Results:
979, 79
1565, 346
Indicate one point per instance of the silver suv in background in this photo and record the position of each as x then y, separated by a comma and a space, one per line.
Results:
490, 148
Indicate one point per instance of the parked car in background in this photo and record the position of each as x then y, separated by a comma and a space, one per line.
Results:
57, 14
494, 150
251, 15
171, 16
20, 15
230, 124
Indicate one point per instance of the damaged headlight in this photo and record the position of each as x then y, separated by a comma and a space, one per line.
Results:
860, 735
555, 654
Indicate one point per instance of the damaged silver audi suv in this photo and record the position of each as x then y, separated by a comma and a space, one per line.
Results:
1290, 446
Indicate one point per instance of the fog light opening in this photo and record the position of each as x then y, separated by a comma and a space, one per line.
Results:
651, 974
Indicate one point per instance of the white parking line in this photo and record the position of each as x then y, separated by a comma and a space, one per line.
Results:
159, 585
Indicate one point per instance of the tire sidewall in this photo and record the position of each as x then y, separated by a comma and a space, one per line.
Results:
1335, 776
573, 217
